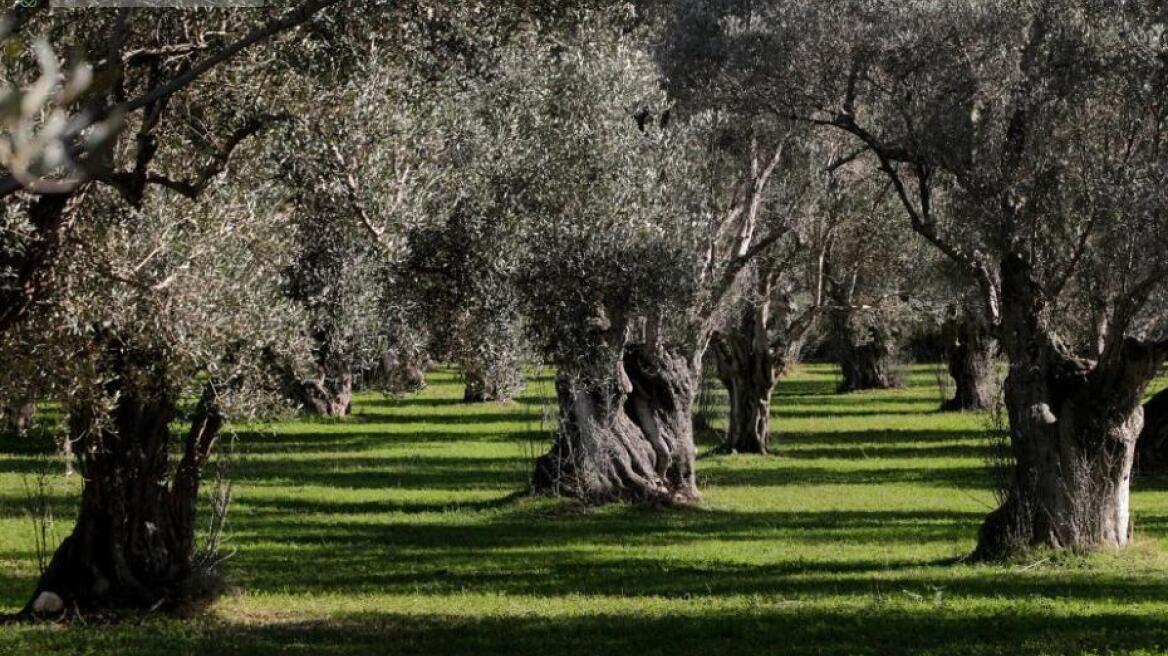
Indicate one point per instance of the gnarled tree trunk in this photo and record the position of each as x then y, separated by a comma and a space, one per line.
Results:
134, 540
746, 367
866, 354
1073, 429
1152, 449
970, 352
330, 393
17, 418
400, 374
497, 386
627, 438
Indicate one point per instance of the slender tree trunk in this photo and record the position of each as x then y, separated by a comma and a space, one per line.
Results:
1073, 431
866, 354
133, 543
626, 437
970, 351
330, 393
746, 367
1152, 450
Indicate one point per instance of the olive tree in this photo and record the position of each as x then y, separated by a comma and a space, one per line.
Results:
1023, 141
168, 302
637, 225
122, 120
780, 298
357, 186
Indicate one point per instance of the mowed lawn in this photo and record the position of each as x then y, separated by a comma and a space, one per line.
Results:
397, 532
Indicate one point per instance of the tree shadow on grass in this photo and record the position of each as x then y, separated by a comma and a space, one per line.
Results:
867, 452
523, 550
890, 437
972, 477
356, 441
765, 629
15, 590
383, 473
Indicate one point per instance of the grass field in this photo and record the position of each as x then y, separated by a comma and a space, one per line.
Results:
396, 533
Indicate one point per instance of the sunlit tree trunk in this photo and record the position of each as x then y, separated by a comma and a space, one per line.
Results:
330, 392
17, 418
626, 435
970, 354
746, 367
866, 354
1073, 428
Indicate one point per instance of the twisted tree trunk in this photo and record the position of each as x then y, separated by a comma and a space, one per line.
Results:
1073, 429
134, 540
628, 437
491, 386
746, 367
1152, 449
330, 393
400, 374
970, 352
866, 354
17, 418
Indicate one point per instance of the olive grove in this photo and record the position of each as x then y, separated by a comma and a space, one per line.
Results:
213, 216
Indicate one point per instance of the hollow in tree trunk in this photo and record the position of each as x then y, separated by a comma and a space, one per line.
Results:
970, 355
746, 367
1152, 449
628, 437
134, 540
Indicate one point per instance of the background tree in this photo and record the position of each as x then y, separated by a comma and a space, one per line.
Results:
870, 275
781, 294
464, 278
1152, 452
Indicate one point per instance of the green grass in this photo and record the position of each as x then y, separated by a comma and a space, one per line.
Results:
396, 532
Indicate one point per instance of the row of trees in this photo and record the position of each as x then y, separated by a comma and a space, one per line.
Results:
220, 212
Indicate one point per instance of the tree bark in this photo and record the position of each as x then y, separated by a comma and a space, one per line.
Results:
17, 418
866, 354
400, 375
746, 367
134, 540
330, 393
1073, 431
50, 218
480, 389
1152, 449
970, 352
628, 437
490, 387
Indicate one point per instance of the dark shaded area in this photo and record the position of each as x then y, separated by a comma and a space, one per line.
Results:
760, 631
